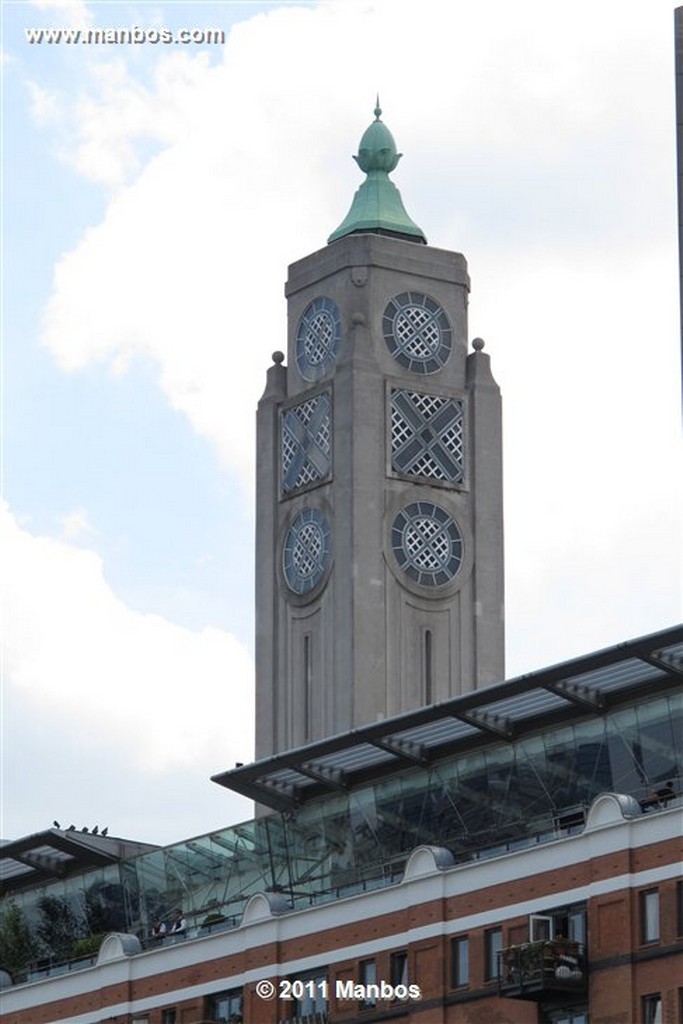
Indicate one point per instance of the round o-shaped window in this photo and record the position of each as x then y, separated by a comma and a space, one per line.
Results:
307, 551
427, 543
417, 332
317, 338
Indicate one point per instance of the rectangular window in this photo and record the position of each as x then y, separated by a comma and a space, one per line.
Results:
225, 1007
309, 992
540, 928
429, 697
398, 968
576, 926
307, 688
460, 962
493, 944
652, 1009
569, 1016
168, 1017
649, 916
368, 978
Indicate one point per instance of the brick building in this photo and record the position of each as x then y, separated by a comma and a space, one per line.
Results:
529, 878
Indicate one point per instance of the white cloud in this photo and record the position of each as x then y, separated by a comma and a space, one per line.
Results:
45, 105
186, 266
118, 112
163, 697
76, 525
69, 13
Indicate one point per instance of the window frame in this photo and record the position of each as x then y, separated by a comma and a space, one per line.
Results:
365, 969
650, 917
652, 1008
458, 944
318, 1003
544, 923
227, 994
492, 950
400, 956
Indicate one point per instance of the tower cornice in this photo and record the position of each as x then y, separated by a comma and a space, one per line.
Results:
381, 251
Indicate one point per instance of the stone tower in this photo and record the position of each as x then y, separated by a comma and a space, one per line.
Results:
379, 531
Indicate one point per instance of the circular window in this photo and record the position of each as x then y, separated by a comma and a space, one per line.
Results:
317, 338
417, 332
427, 543
307, 551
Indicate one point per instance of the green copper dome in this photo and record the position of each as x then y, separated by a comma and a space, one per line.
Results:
377, 205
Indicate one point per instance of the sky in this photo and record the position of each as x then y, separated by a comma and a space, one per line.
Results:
153, 196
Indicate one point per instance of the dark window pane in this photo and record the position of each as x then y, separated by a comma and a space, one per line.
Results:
652, 1009
460, 962
494, 944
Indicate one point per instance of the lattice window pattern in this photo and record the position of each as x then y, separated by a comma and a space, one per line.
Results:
317, 338
427, 543
306, 443
417, 332
307, 551
427, 435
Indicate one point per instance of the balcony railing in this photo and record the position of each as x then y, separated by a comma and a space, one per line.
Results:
535, 970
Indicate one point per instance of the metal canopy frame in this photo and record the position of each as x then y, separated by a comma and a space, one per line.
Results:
588, 686
58, 853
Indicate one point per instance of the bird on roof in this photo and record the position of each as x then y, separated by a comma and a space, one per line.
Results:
56, 824
96, 830
104, 831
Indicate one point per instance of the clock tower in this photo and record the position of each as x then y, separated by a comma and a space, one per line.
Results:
379, 528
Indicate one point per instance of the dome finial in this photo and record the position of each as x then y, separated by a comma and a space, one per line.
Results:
377, 206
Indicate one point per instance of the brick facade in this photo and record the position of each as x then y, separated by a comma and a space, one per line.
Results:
605, 870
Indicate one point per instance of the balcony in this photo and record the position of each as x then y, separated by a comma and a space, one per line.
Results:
543, 970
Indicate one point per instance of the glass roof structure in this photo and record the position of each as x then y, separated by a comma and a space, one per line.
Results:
494, 771
58, 853
586, 686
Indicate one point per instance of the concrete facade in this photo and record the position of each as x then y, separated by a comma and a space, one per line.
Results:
369, 639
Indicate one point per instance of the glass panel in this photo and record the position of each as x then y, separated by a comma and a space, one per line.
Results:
368, 976
649, 916
652, 1009
568, 1016
540, 928
309, 993
577, 927
225, 1007
480, 803
399, 969
460, 962
494, 944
